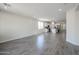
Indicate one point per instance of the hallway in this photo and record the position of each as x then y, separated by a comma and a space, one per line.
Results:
42, 44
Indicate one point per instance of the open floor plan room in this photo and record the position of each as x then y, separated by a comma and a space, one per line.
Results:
39, 29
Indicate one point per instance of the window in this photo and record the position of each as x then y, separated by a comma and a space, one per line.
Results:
40, 25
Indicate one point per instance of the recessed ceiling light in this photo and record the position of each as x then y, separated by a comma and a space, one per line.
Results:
59, 9
53, 23
5, 7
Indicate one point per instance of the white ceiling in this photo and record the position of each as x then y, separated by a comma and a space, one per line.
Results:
46, 11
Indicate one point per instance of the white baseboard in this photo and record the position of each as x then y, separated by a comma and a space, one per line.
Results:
22, 36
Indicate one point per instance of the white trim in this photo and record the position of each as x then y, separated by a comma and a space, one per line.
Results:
39, 31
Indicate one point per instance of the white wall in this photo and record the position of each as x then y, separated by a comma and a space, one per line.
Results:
14, 26
73, 26
64, 26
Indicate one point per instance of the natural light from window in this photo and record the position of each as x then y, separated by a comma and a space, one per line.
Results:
40, 25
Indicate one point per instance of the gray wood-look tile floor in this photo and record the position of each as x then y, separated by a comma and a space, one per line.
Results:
41, 44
